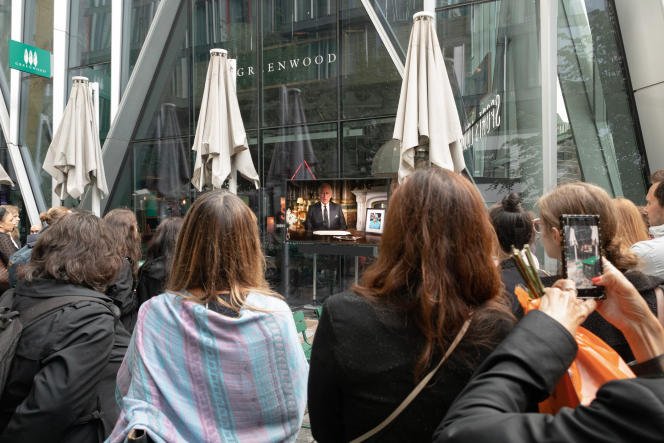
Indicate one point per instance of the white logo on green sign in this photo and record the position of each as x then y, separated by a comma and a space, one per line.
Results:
30, 57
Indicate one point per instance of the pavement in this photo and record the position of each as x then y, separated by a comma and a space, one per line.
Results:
305, 431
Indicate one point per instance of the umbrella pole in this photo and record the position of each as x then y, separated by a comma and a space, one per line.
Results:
232, 179
96, 201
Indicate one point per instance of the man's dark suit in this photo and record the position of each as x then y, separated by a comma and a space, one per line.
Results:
315, 217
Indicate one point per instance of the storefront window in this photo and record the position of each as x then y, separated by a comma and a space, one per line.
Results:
35, 129
136, 24
230, 26
370, 83
491, 51
299, 52
368, 148
597, 141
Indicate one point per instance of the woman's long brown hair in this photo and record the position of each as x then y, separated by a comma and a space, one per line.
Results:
122, 222
436, 257
219, 251
589, 199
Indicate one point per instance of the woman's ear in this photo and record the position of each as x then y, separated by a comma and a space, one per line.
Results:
555, 234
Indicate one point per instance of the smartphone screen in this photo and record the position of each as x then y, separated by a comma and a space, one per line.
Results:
581, 252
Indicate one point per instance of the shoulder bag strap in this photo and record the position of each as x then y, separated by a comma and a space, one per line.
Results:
404, 404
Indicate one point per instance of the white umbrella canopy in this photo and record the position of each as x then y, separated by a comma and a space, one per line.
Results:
427, 113
221, 141
74, 157
5, 179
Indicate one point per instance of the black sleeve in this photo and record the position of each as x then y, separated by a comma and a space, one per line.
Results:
67, 381
525, 368
324, 389
307, 223
343, 224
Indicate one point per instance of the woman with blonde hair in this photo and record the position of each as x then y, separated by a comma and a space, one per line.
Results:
434, 279
589, 199
216, 357
631, 228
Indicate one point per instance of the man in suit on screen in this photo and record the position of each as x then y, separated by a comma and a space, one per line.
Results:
325, 215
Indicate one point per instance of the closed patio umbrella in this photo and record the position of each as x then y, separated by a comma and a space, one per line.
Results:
427, 114
221, 141
74, 157
4, 177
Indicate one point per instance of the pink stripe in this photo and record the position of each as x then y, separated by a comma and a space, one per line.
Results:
194, 364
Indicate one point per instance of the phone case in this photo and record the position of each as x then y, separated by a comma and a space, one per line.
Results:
582, 252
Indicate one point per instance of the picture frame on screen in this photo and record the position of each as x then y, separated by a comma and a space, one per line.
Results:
375, 221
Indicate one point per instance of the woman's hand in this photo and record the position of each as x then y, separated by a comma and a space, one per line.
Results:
560, 303
623, 306
627, 310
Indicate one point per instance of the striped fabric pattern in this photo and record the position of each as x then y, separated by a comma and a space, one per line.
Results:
191, 374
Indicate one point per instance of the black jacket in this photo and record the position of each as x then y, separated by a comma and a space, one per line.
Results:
62, 380
525, 368
362, 366
123, 295
151, 279
315, 217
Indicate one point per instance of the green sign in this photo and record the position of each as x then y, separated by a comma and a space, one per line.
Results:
29, 59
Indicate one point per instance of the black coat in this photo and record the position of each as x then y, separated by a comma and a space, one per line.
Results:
151, 279
362, 367
123, 295
315, 217
62, 380
525, 368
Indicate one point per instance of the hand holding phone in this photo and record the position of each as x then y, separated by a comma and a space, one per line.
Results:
582, 253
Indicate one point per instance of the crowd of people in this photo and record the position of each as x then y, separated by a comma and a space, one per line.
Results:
191, 344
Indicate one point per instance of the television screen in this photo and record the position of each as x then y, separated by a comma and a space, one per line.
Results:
345, 214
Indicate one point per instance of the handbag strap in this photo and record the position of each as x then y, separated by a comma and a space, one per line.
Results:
408, 400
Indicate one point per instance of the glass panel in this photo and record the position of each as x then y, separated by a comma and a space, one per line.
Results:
5, 25
171, 86
597, 142
162, 174
89, 32
38, 23
36, 132
397, 20
138, 15
101, 75
370, 83
231, 26
361, 142
491, 52
300, 52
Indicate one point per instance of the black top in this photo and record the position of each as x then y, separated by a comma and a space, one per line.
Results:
362, 366
121, 291
151, 279
61, 385
525, 368
7, 247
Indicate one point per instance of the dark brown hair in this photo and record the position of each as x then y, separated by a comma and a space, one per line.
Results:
124, 228
586, 198
436, 259
219, 251
513, 224
54, 214
164, 240
77, 249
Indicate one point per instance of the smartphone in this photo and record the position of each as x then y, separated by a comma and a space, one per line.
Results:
582, 252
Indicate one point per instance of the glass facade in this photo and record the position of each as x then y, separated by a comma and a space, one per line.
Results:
318, 91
